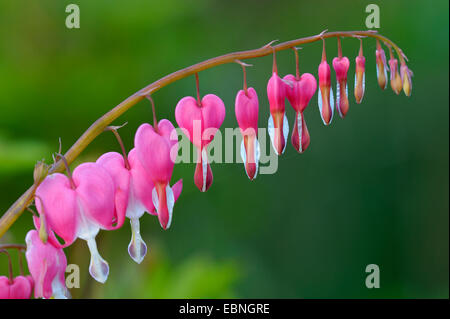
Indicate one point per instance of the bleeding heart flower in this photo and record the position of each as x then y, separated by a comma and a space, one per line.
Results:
382, 67
200, 121
406, 75
360, 75
299, 93
278, 125
246, 109
79, 206
326, 98
19, 287
341, 65
156, 150
47, 265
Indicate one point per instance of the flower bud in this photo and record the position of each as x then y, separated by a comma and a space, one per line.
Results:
406, 74
396, 80
40, 172
360, 76
381, 66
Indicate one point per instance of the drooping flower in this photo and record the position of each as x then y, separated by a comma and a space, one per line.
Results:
247, 109
79, 206
200, 121
299, 93
382, 67
278, 125
156, 149
19, 287
396, 80
325, 98
341, 65
360, 75
47, 265
406, 75
11, 287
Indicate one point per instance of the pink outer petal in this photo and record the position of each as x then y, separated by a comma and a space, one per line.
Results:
45, 263
246, 109
153, 151
167, 130
302, 90
213, 114
341, 66
176, 188
141, 182
95, 190
60, 206
276, 92
21, 288
4, 287
114, 164
189, 116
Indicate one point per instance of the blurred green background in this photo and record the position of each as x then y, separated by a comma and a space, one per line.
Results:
372, 188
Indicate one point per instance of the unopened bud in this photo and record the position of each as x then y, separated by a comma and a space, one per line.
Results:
40, 172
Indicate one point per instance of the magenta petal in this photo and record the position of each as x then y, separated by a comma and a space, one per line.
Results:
176, 188
21, 288
95, 189
114, 164
189, 117
59, 202
141, 188
153, 151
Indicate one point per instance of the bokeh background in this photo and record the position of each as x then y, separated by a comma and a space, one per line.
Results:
372, 188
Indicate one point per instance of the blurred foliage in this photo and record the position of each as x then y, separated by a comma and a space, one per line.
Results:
372, 188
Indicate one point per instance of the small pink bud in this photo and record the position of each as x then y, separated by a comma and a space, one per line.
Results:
278, 126
325, 98
381, 66
246, 109
341, 65
406, 78
360, 75
396, 80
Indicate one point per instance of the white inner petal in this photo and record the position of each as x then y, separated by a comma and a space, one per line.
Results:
204, 168
170, 200
285, 131
137, 249
98, 267
257, 155
300, 131
271, 129
135, 209
338, 98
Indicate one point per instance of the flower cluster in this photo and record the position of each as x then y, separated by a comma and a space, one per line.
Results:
100, 195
